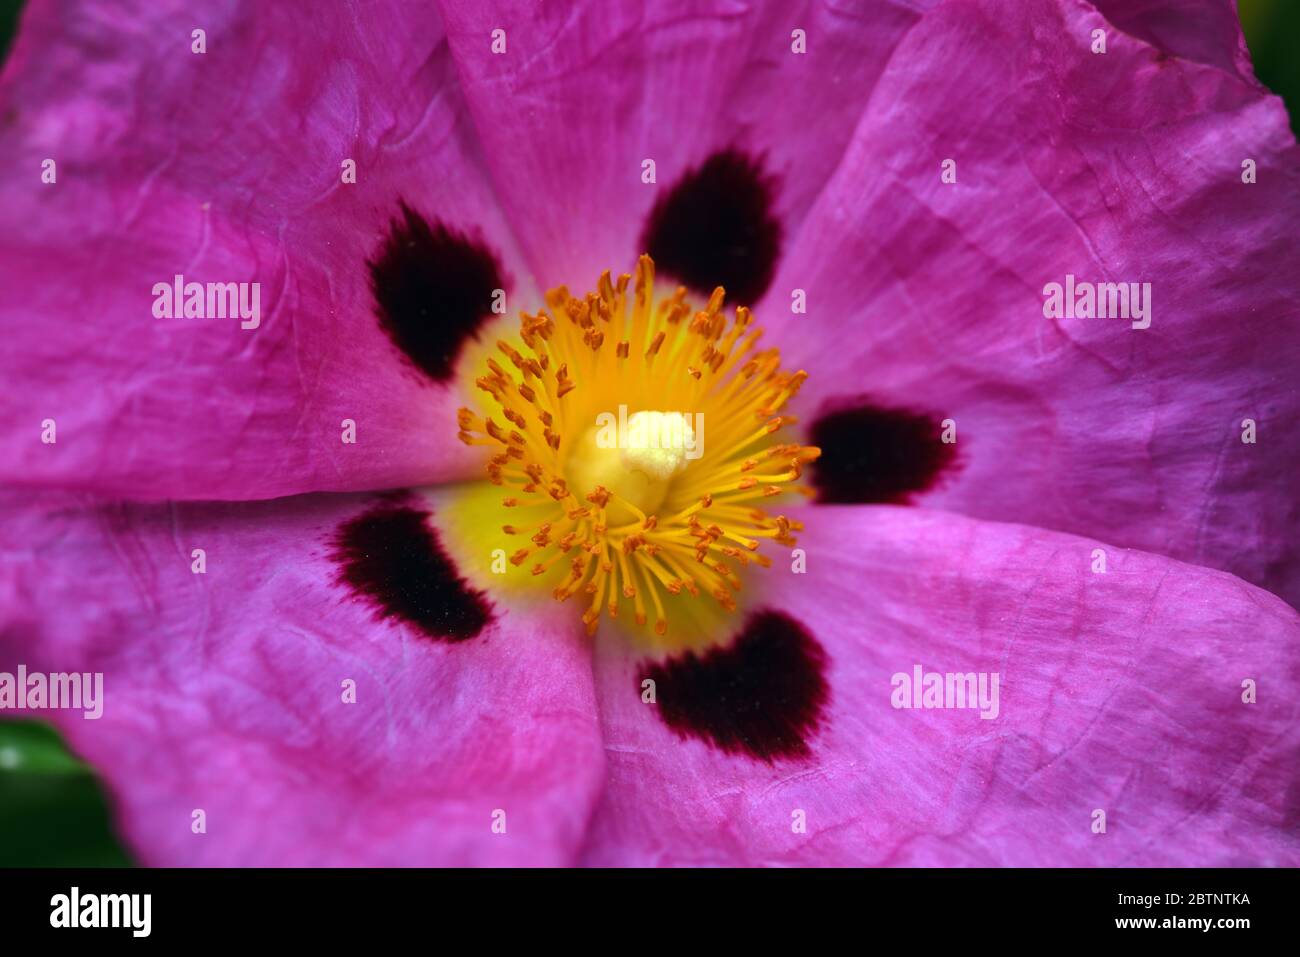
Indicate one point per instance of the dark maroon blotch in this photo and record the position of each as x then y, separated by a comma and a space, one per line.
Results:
761, 695
716, 227
390, 557
433, 289
875, 454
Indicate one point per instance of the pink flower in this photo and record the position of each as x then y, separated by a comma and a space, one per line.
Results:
1085, 515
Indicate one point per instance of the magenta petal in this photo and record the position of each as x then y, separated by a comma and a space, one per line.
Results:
223, 691
584, 93
1117, 167
1120, 692
226, 166
1206, 31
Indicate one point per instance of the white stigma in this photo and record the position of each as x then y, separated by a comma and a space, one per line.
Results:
657, 443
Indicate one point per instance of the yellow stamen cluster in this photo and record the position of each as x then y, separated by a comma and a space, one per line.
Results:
589, 356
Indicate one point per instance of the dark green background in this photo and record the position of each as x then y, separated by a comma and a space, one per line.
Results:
52, 812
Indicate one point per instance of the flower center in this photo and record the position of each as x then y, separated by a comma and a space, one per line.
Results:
635, 457
639, 451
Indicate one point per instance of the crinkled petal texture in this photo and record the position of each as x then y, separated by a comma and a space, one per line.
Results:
1116, 167
583, 94
1206, 31
1121, 694
228, 166
224, 692
1127, 680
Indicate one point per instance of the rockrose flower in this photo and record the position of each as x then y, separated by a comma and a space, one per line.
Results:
685, 433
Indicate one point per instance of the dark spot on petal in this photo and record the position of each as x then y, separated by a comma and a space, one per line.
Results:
871, 453
761, 695
433, 288
716, 227
390, 556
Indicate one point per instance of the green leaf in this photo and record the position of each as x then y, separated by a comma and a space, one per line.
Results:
52, 811
27, 747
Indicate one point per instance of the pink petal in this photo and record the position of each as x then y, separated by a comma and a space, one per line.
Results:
585, 92
225, 167
1120, 692
1123, 167
223, 692
1206, 31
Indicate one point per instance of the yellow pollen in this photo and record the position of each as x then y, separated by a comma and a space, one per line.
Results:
637, 446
